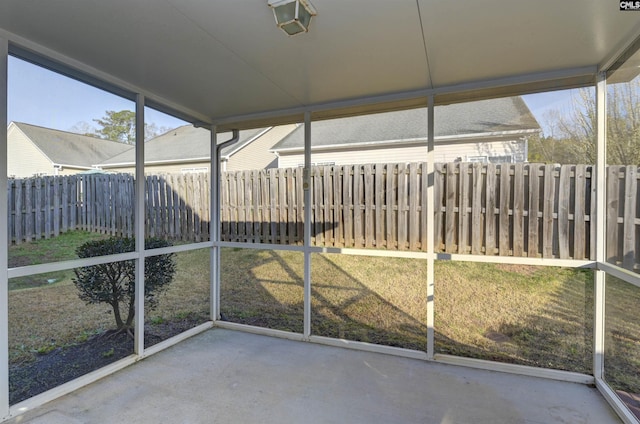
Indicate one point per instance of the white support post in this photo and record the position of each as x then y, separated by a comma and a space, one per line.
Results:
4, 256
214, 228
139, 228
307, 223
600, 192
430, 231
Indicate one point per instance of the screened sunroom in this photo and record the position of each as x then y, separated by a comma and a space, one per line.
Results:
449, 230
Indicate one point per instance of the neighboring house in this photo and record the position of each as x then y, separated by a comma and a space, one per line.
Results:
188, 149
34, 150
493, 130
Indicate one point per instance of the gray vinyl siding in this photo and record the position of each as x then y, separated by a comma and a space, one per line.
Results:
24, 159
415, 153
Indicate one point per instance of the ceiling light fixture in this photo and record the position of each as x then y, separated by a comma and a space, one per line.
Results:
292, 16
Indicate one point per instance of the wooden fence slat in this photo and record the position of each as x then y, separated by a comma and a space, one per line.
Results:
256, 212
196, 201
592, 212
450, 206
390, 196
291, 204
547, 212
83, 206
629, 253
56, 206
533, 212
266, 211
579, 224
170, 212
564, 193
327, 203
379, 202
65, 204
18, 214
518, 209
369, 205
504, 208
490, 212
114, 187
162, 197
299, 173
150, 227
282, 205
273, 211
206, 187
316, 211
358, 207
424, 219
613, 207
347, 202
414, 222
476, 209
463, 211
11, 209
402, 206
438, 191
28, 209
338, 207
48, 202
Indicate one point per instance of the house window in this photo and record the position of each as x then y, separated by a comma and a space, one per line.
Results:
301, 165
198, 170
481, 159
501, 159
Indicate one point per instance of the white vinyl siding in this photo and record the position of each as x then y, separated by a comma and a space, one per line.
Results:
256, 155
24, 159
443, 153
162, 168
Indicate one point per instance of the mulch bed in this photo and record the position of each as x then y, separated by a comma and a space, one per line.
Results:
65, 364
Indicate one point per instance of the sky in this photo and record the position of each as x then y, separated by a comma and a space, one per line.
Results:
41, 97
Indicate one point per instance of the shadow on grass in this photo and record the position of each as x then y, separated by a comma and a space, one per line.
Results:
555, 332
269, 293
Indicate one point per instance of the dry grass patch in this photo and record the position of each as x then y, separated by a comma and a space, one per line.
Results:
370, 299
52, 315
540, 316
188, 293
48, 317
622, 335
263, 288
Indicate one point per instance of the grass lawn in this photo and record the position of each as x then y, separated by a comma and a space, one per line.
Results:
538, 316
56, 249
44, 316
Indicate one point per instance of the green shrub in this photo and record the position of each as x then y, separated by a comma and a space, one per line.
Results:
114, 283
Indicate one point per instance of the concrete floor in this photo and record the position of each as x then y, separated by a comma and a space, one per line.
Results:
223, 376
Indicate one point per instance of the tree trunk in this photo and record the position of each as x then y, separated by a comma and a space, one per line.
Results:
116, 313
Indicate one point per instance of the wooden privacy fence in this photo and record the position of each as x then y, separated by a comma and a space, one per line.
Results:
177, 206
378, 206
524, 210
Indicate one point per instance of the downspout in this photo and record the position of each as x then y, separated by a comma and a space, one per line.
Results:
234, 139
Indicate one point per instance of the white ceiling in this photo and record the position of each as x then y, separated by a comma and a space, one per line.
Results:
225, 60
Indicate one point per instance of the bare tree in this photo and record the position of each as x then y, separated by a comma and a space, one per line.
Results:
574, 138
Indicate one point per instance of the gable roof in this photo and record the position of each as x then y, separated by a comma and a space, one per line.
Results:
70, 149
183, 144
509, 114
